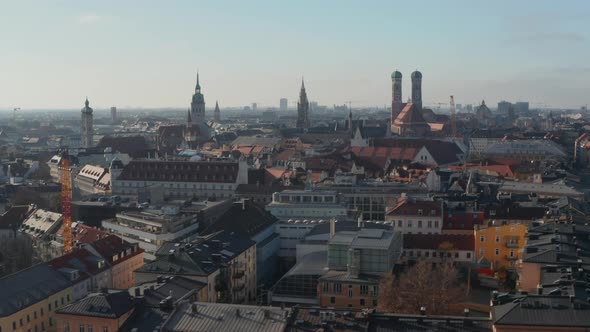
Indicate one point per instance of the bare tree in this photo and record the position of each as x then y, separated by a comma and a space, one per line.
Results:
422, 285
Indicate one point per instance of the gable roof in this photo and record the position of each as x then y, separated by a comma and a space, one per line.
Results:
110, 305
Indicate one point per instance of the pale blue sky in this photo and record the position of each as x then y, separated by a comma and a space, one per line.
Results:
146, 53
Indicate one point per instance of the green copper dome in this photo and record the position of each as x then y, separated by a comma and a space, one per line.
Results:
417, 74
396, 74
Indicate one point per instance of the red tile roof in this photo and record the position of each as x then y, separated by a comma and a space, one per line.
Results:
439, 241
79, 259
412, 207
463, 220
185, 171
112, 246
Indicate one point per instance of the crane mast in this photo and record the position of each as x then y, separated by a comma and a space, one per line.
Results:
66, 202
453, 118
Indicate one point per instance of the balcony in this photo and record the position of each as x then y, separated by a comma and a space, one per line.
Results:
512, 244
511, 258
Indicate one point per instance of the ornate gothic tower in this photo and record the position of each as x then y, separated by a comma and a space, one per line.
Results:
417, 89
302, 108
87, 133
217, 112
198, 105
396, 92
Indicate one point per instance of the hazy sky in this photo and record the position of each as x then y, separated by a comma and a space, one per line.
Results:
147, 53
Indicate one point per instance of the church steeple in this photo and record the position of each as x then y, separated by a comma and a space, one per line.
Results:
303, 108
217, 112
198, 86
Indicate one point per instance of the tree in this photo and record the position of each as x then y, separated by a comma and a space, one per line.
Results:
422, 285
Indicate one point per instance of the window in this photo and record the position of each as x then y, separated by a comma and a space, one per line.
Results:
411, 253
105, 329
14, 325
419, 253
497, 251
68, 297
28, 318
456, 255
326, 286
42, 326
511, 252
399, 223
468, 255
35, 314
427, 254
481, 251
350, 293
56, 304
420, 212
62, 301
337, 288
497, 239
81, 327
429, 223
90, 328
419, 223
66, 326
41, 311
482, 238
374, 303
332, 300
364, 289
50, 321
436, 224
362, 302
409, 223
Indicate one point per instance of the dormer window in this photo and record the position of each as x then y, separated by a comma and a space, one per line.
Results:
420, 212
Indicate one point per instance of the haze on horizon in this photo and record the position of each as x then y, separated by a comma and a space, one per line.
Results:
146, 53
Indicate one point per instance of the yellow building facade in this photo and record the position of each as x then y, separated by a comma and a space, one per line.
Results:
500, 245
39, 316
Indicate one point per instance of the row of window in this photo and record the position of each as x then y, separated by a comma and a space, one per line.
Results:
419, 223
441, 254
482, 238
83, 328
178, 186
362, 302
336, 288
21, 321
497, 252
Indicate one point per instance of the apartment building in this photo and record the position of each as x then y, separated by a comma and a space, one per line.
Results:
413, 216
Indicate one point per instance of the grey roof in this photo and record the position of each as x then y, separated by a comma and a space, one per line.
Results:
366, 238
202, 257
27, 287
176, 287
109, 305
543, 311
226, 317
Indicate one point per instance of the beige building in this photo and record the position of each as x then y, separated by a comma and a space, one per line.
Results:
29, 299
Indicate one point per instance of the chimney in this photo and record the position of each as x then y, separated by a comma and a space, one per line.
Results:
540, 289
238, 313
360, 221
243, 205
194, 308
332, 227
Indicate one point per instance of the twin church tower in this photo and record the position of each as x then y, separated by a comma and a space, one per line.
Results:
397, 105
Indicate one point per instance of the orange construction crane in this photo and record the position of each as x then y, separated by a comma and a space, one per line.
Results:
66, 201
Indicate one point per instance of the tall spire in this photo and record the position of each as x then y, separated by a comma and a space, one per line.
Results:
198, 87
189, 119
302, 84
86, 102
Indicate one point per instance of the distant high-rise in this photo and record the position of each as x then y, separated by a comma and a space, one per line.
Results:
198, 104
396, 92
303, 108
217, 112
521, 106
254, 107
113, 114
504, 107
87, 133
417, 89
284, 104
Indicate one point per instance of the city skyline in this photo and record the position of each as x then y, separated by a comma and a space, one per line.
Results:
117, 54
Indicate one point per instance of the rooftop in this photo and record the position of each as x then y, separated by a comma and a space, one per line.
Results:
109, 305
226, 317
